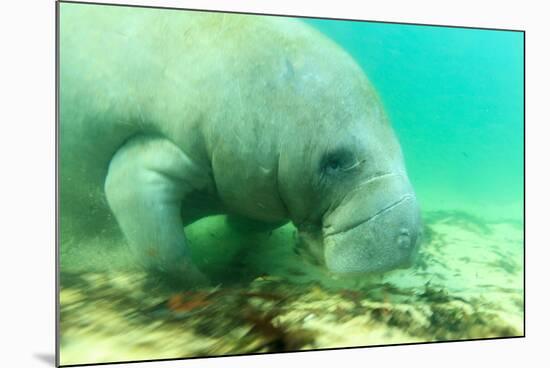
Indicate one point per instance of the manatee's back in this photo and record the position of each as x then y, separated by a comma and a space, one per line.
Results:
104, 75
125, 71
115, 67
90, 47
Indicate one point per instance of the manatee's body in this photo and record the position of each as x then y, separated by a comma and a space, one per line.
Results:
171, 116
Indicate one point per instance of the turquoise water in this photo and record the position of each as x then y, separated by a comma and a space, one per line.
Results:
455, 98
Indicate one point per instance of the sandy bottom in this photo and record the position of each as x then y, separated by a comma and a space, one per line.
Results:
466, 284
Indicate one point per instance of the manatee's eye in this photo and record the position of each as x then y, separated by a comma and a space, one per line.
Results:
333, 163
338, 160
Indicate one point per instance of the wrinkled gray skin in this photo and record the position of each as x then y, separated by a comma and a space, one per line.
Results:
179, 115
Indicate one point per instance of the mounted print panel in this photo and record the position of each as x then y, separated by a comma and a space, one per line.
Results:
236, 184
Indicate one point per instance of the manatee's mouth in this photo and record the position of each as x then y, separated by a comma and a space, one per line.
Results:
329, 230
374, 228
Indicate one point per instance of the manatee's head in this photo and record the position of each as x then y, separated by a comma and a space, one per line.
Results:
341, 176
350, 195
369, 218
376, 227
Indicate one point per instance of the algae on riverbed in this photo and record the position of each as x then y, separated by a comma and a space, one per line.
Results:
467, 284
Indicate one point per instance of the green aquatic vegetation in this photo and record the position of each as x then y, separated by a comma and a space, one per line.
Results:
448, 322
434, 295
462, 219
429, 234
355, 296
267, 315
392, 293
445, 321
284, 308
256, 312
505, 264
518, 301
423, 261
401, 319
276, 337
393, 317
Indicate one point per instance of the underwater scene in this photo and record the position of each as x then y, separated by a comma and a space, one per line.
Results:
237, 184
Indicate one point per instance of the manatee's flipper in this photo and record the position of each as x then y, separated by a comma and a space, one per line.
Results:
147, 182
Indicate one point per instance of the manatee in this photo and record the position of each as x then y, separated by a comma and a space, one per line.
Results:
170, 116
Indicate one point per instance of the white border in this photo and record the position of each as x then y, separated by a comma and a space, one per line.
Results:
27, 181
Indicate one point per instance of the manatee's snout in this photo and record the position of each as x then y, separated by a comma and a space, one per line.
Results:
376, 228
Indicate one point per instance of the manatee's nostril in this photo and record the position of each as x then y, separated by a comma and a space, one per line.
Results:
403, 239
